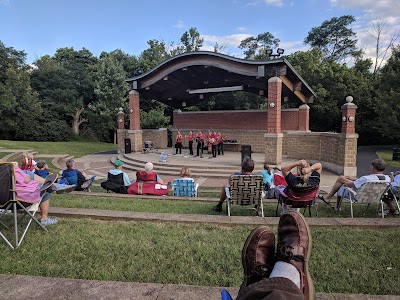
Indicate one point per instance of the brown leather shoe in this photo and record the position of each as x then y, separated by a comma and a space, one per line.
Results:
258, 255
294, 247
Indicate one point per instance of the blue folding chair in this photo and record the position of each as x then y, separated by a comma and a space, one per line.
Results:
225, 295
72, 178
185, 187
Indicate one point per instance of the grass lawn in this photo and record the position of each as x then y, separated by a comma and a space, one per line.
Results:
387, 157
75, 148
158, 205
2, 154
344, 260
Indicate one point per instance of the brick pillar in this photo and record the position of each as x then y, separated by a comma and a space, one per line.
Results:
121, 120
134, 109
273, 137
349, 136
121, 131
304, 116
349, 116
134, 132
274, 105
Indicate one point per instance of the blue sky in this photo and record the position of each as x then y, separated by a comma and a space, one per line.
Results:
40, 27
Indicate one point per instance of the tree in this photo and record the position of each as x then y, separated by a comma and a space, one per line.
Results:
256, 47
19, 105
128, 62
151, 57
379, 30
332, 82
65, 84
334, 37
111, 92
154, 118
191, 40
387, 101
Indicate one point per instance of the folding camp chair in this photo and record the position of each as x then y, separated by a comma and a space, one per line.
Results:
369, 192
396, 195
11, 205
72, 178
298, 197
115, 183
245, 190
185, 187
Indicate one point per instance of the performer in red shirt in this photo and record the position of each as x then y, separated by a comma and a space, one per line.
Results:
200, 143
178, 144
215, 141
210, 141
221, 140
190, 138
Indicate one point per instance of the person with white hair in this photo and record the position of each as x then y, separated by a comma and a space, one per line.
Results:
149, 175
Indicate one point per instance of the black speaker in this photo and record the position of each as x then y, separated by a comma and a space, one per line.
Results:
246, 151
128, 146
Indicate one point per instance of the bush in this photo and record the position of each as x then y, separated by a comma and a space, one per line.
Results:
51, 131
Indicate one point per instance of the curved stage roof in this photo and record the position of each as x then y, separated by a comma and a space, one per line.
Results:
194, 76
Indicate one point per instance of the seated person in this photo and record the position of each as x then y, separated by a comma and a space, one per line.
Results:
394, 184
186, 175
267, 175
377, 168
28, 164
307, 177
117, 180
42, 169
148, 174
278, 182
74, 176
118, 170
29, 192
247, 169
277, 270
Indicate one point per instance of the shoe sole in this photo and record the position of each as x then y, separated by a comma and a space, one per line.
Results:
49, 181
246, 245
310, 284
65, 190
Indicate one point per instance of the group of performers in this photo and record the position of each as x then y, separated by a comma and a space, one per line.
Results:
214, 140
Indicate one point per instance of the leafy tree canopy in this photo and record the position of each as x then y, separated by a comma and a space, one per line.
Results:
256, 47
334, 37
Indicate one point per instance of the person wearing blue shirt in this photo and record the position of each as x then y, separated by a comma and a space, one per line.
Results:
267, 175
118, 170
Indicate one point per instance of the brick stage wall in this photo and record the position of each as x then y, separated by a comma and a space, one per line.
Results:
336, 151
233, 119
159, 137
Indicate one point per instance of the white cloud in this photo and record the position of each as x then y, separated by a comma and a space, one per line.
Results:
372, 9
278, 3
4, 2
180, 24
232, 40
241, 29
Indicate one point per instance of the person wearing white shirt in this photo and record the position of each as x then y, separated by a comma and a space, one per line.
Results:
377, 167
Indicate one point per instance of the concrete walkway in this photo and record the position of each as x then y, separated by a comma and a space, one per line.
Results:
17, 287
213, 219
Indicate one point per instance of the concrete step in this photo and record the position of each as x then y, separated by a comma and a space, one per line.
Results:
208, 168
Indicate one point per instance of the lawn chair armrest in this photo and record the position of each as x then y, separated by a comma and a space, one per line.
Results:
351, 191
227, 192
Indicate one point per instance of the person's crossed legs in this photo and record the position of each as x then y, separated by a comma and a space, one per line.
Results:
289, 277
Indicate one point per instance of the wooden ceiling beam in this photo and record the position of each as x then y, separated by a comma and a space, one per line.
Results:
294, 87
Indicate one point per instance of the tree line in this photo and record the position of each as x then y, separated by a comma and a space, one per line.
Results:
76, 95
